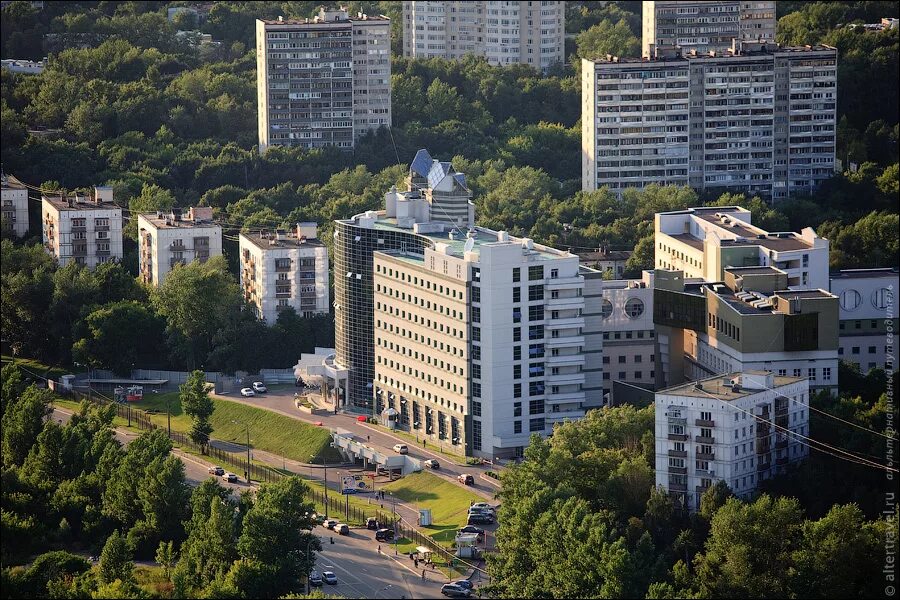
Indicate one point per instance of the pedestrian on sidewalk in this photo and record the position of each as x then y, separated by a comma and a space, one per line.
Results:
379, 548
423, 574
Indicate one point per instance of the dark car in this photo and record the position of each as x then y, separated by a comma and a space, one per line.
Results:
315, 579
464, 583
451, 590
471, 529
372, 523
384, 535
465, 479
479, 519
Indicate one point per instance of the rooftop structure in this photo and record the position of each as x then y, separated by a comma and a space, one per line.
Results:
167, 239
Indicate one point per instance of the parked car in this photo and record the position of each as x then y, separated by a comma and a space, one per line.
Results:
384, 535
464, 583
218, 471
451, 590
247, 392
484, 506
315, 579
372, 523
471, 529
401, 448
329, 577
259, 387
466, 479
230, 477
342, 529
432, 464
479, 519
329, 523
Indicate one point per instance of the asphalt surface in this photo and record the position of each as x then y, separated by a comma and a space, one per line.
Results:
363, 572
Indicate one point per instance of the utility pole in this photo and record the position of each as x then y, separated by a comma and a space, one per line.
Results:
247, 426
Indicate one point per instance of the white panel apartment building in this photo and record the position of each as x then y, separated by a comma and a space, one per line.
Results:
758, 119
169, 239
705, 26
82, 229
285, 270
704, 241
865, 296
740, 428
529, 33
324, 81
15, 205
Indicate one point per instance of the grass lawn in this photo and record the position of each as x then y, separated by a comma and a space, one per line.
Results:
449, 503
37, 367
405, 546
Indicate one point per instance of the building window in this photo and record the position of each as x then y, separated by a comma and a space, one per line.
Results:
826, 373
517, 334
476, 352
517, 294
476, 293
517, 352
536, 388
476, 314
536, 407
476, 409
476, 334
536, 312
517, 275
517, 390
476, 435
476, 392
606, 309
517, 409
535, 273
535, 332
634, 308
517, 426
517, 371
536, 425
517, 315
535, 292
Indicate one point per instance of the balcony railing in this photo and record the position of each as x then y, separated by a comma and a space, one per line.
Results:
702, 439
677, 487
704, 423
706, 456
678, 453
678, 437
678, 470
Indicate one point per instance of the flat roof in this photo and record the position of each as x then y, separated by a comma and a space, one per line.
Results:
608, 255
264, 242
313, 22
754, 270
688, 239
166, 222
715, 386
804, 294
81, 203
481, 236
865, 273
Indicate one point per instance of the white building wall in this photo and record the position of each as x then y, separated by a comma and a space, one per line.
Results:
158, 254
15, 209
626, 319
65, 234
864, 297
735, 446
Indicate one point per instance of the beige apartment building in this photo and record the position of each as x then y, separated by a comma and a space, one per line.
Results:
529, 33
705, 26
704, 241
758, 118
169, 239
15, 205
83, 229
324, 81
280, 270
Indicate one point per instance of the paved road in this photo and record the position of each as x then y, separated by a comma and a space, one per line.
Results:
364, 573
282, 401
195, 469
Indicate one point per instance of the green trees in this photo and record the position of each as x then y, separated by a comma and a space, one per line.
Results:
120, 336
607, 37
23, 422
196, 403
115, 560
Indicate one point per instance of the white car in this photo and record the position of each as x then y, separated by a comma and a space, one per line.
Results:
401, 448
260, 387
247, 392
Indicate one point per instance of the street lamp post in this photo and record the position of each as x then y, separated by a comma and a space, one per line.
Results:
325, 465
308, 544
247, 426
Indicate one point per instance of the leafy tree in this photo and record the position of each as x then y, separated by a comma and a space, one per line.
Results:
50, 567
115, 560
166, 556
164, 494
607, 37
196, 403
275, 535
23, 422
120, 336
120, 500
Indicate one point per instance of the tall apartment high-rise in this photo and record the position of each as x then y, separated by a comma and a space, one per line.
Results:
705, 26
738, 427
464, 335
324, 81
15, 205
281, 270
759, 119
169, 239
529, 33
82, 229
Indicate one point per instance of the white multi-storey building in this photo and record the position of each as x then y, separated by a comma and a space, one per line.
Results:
704, 241
625, 308
759, 118
529, 33
15, 205
480, 338
740, 428
281, 270
866, 315
705, 26
82, 229
169, 239
324, 81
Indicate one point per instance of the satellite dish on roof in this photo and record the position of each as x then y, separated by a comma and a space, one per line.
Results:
470, 243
